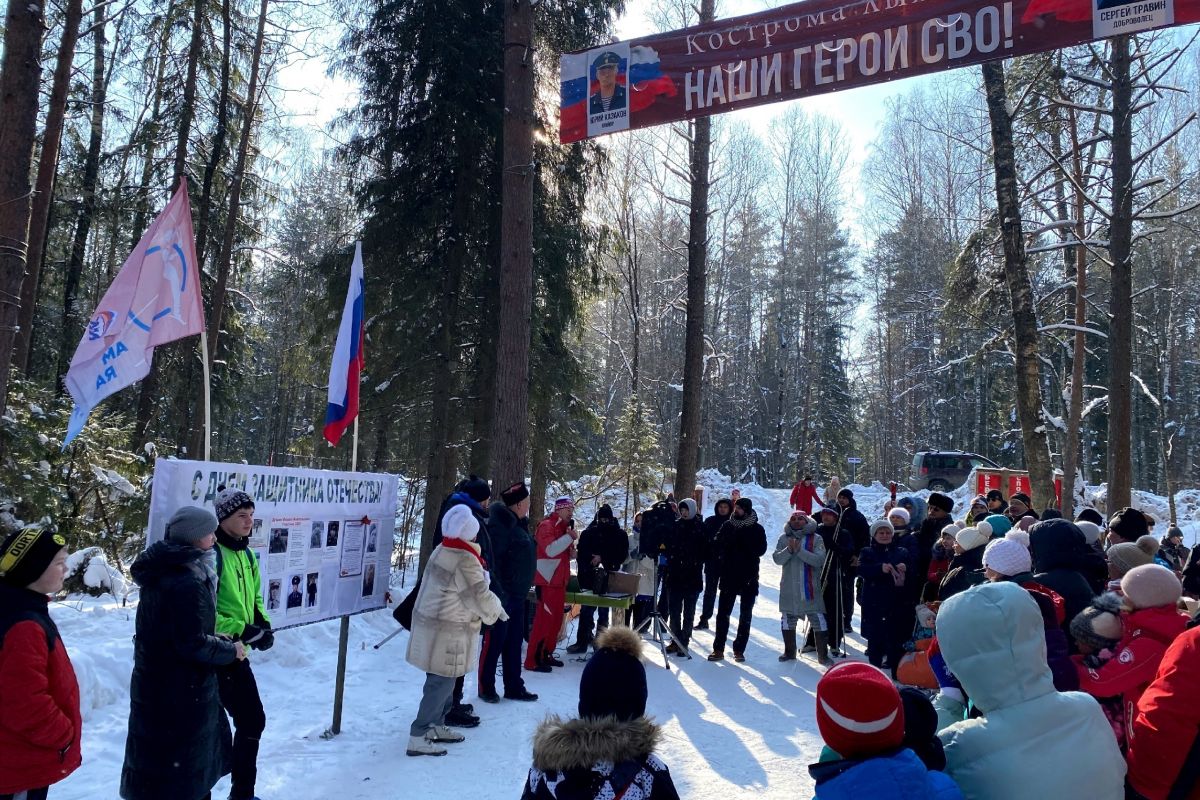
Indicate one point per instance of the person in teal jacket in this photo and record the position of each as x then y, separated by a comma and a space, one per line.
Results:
1032, 742
241, 617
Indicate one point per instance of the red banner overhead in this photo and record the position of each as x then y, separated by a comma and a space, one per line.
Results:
824, 46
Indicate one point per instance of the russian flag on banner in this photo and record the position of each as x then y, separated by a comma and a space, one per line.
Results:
643, 71
347, 357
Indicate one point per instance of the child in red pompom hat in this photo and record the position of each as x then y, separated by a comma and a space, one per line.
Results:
861, 718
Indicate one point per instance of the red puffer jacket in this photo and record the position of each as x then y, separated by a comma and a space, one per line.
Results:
1164, 747
554, 541
1148, 632
39, 696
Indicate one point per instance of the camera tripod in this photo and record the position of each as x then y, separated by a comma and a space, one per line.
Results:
658, 626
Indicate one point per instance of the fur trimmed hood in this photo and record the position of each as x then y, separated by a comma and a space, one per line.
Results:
561, 745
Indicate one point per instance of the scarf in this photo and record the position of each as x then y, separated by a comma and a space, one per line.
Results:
750, 519
466, 547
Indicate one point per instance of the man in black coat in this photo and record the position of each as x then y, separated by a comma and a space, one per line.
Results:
685, 572
712, 561
742, 543
602, 546
179, 743
940, 509
514, 557
854, 523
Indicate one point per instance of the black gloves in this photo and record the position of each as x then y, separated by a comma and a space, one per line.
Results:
258, 637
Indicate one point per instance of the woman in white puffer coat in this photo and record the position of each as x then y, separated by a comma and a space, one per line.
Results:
453, 600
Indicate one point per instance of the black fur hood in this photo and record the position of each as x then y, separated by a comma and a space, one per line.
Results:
562, 745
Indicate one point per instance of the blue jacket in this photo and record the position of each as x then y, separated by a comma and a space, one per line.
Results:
899, 776
1032, 742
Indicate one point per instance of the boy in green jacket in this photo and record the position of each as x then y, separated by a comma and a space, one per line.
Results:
240, 615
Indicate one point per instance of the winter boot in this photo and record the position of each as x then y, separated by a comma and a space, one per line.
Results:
579, 648
461, 718
789, 646
423, 746
702, 625
822, 639
716, 655
444, 735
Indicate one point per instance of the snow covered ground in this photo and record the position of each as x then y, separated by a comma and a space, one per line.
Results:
732, 730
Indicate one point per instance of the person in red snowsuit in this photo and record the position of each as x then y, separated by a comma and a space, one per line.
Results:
555, 550
39, 696
1164, 739
804, 496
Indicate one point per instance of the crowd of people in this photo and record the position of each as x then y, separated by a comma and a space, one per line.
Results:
1004, 645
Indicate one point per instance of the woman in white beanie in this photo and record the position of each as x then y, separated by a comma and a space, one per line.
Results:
454, 598
966, 568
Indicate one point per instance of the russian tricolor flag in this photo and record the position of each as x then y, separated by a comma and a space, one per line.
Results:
347, 357
643, 74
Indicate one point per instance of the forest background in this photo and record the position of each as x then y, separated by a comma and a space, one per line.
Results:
856, 303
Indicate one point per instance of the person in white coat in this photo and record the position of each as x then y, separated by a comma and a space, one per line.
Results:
453, 600
1032, 742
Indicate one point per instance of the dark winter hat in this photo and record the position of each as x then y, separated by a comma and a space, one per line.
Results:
26, 553
1151, 586
995, 494
1024, 498
980, 501
939, 500
1052, 513
190, 524
834, 510
846, 493
1090, 515
514, 494
1129, 524
230, 501
920, 729
605, 512
1099, 625
728, 504
614, 681
1174, 531
475, 488
859, 711
745, 504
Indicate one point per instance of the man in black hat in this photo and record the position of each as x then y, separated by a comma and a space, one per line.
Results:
514, 557
611, 95
1127, 525
996, 504
603, 547
938, 517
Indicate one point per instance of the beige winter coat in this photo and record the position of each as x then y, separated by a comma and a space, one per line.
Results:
454, 597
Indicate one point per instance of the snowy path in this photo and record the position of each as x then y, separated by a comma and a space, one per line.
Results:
732, 730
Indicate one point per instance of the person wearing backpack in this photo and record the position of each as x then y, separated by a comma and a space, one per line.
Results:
241, 617
39, 697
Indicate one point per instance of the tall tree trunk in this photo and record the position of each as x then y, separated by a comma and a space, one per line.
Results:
20, 75
44, 185
1071, 464
693, 348
539, 469
483, 387
439, 458
1120, 337
225, 259
1016, 272
510, 438
71, 327
217, 153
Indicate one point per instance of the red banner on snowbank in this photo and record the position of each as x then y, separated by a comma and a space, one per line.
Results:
824, 46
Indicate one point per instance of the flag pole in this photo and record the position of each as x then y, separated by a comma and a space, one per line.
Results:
207, 396
339, 690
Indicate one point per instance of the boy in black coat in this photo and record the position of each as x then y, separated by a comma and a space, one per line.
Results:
742, 543
685, 573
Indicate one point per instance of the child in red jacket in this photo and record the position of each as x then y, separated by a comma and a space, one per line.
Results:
39, 696
1150, 623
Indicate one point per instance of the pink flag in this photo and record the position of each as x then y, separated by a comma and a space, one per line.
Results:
155, 299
